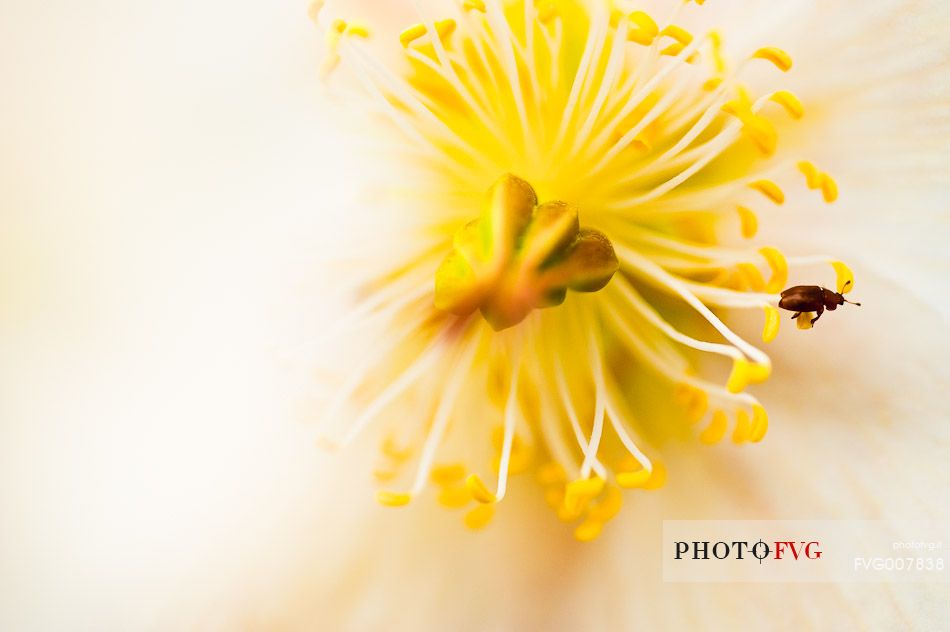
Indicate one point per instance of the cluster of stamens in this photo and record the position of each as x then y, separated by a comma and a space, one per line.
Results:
644, 131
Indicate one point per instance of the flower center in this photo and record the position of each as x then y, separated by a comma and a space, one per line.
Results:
519, 256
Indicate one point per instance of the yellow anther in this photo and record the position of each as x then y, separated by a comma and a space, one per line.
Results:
313, 11
357, 29
479, 517
569, 513
385, 476
584, 487
779, 266
338, 26
762, 133
845, 278
697, 406
607, 507
715, 42
657, 476
772, 319
817, 179
678, 33
743, 427
411, 34
811, 173
712, 83
790, 102
588, 530
392, 449
447, 474
752, 277
393, 499
547, 11
829, 188
777, 56
551, 473
334, 33
760, 423
631, 480
474, 5
749, 222
579, 492
644, 29
804, 320
716, 429
478, 490
745, 373
454, 496
673, 49
445, 28
770, 190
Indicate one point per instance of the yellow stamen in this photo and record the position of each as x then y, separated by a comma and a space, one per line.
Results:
678, 33
790, 102
772, 320
447, 474
743, 427
804, 320
391, 449
716, 429
760, 423
588, 530
779, 266
385, 476
551, 473
697, 406
829, 188
478, 490
657, 476
770, 190
745, 373
356, 29
845, 278
777, 56
393, 499
811, 173
474, 5
479, 517
749, 222
631, 480
411, 34
607, 507
719, 60
579, 492
751, 275
645, 30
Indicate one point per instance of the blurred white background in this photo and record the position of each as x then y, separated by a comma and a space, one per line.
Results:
156, 159
164, 167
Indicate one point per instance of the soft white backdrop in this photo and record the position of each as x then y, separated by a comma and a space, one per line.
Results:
163, 168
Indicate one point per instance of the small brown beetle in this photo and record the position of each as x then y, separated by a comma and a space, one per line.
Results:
811, 298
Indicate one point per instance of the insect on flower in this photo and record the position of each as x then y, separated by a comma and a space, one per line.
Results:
580, 170
811, 298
